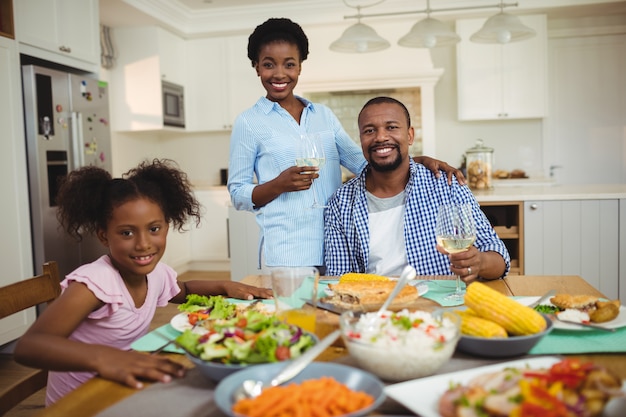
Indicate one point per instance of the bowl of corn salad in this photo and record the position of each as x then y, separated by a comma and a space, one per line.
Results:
402, 345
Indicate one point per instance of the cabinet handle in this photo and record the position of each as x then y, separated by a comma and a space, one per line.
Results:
65, 49
534, 206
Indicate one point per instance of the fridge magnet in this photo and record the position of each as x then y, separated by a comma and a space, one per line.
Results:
91, 147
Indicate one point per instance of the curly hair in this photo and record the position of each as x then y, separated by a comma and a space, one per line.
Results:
277, 29
88, 195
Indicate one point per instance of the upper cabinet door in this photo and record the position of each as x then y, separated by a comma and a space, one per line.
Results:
63, 31
497, 81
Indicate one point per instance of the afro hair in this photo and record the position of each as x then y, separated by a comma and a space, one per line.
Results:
277, 29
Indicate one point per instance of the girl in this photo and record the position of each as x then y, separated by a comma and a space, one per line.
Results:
108, 304
264, 142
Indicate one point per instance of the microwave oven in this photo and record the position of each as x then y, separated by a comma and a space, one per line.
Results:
173, 104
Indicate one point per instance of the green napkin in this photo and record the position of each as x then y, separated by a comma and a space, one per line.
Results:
581, 341
439, 289
152, 341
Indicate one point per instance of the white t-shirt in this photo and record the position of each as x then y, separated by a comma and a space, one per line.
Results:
386, 224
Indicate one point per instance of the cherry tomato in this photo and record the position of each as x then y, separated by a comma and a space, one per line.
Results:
282, 353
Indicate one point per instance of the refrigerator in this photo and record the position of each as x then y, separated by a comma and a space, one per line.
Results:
67, 126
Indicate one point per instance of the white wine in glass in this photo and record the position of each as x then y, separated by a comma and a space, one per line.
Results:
311, 154
456, 232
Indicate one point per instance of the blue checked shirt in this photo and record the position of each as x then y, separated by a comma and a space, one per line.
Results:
347, 233
263, 144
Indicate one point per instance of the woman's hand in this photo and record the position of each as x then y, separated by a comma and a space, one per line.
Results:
292, 179
435, 165
297, 178
131, 368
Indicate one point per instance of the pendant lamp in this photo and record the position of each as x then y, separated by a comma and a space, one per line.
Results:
503, 28
429, 33
359, 38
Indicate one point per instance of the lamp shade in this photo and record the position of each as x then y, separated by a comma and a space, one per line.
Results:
503, 28
359, 38
429, 33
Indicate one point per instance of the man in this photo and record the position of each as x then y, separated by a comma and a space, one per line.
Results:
384, 219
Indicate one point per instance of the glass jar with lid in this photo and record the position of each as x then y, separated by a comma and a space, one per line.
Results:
479, 164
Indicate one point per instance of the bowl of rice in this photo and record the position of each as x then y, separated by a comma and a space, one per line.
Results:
403, 345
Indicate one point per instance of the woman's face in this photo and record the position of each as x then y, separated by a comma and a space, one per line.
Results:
135, 235
279, 68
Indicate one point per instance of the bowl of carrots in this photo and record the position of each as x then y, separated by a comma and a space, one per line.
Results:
320, 389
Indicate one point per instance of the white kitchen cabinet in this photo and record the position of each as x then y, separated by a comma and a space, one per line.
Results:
16, 256
244, 243
506, 81
145, 57
224, 82
209, 242
574, 237
62, 31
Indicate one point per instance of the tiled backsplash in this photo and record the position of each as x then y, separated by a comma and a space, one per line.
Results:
347, 105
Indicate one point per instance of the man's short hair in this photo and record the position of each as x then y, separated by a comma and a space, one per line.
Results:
383, 99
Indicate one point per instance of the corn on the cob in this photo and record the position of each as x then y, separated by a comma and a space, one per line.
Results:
357, 276
517, 319
473, 325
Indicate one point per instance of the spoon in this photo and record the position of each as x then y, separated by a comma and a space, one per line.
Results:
408, 273
251, 388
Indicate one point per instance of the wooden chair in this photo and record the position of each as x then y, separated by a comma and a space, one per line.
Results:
19, 382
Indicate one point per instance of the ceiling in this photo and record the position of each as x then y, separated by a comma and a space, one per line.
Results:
196, 18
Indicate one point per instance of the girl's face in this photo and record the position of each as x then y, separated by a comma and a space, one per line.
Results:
279, 68
136, 236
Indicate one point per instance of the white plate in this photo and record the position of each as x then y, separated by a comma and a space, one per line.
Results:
430, 389
181, 323
619, 321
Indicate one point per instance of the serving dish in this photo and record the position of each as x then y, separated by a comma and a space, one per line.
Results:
403, 345
502, 347
619, 321
431, 388
355, 379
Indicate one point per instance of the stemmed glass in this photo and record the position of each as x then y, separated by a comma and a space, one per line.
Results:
310, 153
456, 232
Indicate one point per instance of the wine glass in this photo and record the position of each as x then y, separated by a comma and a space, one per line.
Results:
456, 232
311, 154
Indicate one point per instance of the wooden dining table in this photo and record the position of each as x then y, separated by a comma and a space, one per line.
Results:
98, 394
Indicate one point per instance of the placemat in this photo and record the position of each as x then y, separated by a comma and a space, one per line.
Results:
439, 289
152, 341
191, 396
581, 341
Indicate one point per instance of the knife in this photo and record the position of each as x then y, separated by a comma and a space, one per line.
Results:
543, 298
578, 323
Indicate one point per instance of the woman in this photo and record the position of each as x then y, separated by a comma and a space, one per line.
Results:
264, 143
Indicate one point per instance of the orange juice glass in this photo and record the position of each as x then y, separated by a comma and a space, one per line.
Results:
292, 288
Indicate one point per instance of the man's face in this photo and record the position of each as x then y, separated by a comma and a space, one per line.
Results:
385, 136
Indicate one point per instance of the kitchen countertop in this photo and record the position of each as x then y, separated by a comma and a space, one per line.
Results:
552, 192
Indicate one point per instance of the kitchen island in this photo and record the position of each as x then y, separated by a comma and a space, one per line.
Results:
563, 229
553, 192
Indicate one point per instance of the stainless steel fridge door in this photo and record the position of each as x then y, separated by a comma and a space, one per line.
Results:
49, 124
91, 137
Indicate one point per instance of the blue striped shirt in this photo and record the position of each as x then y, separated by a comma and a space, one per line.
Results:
347, 235
263, 144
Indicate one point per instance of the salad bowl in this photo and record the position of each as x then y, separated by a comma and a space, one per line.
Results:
230, 345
